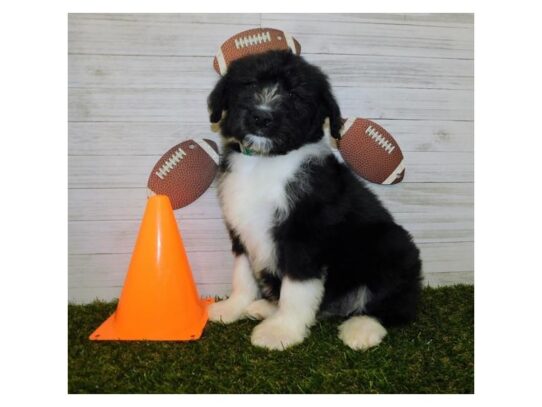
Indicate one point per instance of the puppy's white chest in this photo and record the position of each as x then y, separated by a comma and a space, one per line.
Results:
251, 196
254, 196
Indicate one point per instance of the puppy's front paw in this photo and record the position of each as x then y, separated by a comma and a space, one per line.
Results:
261, 309
362, 332
277, 334
226, 311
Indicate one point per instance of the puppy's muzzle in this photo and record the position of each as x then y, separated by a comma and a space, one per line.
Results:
260, 119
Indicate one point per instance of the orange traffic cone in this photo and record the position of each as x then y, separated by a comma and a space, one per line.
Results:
159, 300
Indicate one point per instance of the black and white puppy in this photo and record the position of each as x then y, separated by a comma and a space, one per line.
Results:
309, 238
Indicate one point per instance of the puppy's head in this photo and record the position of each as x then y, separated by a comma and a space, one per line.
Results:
273, 103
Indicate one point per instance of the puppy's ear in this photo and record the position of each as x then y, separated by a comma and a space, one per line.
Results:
334, 114
217, 101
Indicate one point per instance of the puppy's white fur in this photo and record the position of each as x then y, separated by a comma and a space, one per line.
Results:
298, 304
258, 144
362, 332
255, 190
244, 291
261, 309
266, 97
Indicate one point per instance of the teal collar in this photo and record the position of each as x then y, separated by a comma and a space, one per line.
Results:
246, 150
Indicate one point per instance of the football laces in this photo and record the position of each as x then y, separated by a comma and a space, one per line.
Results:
379, 139
170, 163
251, 40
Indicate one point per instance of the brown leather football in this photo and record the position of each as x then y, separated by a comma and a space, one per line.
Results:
371, 152
185, 171
253, 41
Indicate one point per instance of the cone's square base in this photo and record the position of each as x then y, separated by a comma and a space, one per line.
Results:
110, 330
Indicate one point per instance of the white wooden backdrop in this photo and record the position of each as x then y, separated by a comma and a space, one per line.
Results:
138, 85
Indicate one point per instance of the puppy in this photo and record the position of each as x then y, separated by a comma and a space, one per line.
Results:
309, 238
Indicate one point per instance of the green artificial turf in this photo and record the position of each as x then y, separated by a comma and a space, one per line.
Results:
433, 355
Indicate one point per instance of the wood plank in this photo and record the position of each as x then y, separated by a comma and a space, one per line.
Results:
443, 279
88, 237
133, 171
456, 20
85, 295
171, 105
129, 203
362, 38
129, 138
155, 138
167, 18
447, 257
437, 227
217, 267
92, 275
430, 135
95, 237
439, 167
369, 71
154, 34
103, 270
136, 105
402, 103
109, 171
427, 197
162, 34
111, 71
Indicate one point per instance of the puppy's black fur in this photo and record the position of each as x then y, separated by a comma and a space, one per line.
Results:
297, 120
336, 229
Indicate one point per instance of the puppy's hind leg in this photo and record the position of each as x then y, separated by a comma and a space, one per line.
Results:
361, 332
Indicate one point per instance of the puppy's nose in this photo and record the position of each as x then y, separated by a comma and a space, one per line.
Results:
261, 118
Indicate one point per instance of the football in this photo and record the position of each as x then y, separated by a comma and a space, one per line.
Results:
371, 152
185, 171
253, 41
